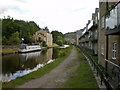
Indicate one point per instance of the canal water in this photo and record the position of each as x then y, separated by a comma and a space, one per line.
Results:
16, 65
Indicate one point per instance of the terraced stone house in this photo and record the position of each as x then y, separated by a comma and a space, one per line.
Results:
109, 39
42, 35
89, 38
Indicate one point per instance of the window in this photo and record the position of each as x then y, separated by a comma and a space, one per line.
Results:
89, 44
114, 50
102, 49
96, 20
103, 22
98, 16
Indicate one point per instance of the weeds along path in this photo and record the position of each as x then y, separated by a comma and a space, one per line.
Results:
56, 77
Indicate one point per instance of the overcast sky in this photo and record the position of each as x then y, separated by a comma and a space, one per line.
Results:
62, 15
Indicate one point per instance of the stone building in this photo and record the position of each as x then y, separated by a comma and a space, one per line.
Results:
89, 37
78, 34
42, 35
102, 36
93, 32
109, 40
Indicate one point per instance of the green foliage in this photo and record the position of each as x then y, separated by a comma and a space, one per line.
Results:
26, 29
70, 35
83, 78
61, 53
60, 42
58, 37
4, 40
14, 39
36, 74
44, 44
46, 29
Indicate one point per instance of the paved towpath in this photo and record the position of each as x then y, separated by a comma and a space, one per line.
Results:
56, 77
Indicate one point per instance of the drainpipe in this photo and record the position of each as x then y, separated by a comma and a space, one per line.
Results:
106, 63
107, 42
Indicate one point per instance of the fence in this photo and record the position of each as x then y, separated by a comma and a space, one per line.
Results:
9, 47
104, 76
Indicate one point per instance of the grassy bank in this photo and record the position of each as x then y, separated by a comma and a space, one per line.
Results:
37, 74
95, 59
54, 45
83, 77
13, 50
9, 50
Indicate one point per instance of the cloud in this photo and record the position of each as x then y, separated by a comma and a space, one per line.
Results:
62, 15
4, 9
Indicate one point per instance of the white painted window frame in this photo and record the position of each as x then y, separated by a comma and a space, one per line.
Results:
114, 50
102, 49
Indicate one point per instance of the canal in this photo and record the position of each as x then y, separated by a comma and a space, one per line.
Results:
15, 65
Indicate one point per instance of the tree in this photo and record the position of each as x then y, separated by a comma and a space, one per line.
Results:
4, 40
58, 37
46, 29
44, 44
25, 29
14, 39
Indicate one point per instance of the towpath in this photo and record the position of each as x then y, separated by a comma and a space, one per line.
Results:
56, 77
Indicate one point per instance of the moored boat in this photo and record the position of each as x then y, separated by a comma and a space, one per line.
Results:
25, 48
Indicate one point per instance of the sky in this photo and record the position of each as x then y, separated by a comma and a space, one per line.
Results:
62, 15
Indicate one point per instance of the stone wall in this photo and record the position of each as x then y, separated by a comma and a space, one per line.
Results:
42, 35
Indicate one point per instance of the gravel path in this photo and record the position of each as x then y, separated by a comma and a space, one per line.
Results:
56, 77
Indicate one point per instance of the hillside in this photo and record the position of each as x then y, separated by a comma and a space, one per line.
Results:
70, 35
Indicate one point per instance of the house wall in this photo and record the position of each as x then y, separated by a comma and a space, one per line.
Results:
102, 38
77, 42
111, 38
44, 36
114, 39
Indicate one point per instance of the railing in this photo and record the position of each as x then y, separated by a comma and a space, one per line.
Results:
9, 47
104, 76
113, 70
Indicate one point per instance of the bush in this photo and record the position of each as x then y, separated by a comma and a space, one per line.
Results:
44, 44
61, 53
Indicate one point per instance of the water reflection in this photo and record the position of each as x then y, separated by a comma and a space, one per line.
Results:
25, 56
21, 64
16, 65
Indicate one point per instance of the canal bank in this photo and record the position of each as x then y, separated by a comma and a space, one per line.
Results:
40, 72
73, 72
14, 49
69, 71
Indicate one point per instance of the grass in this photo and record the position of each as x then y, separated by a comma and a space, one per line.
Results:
37, 74
95, 58
9, 50
83, 77
54, 45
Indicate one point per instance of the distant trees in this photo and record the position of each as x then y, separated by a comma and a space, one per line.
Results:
58, 37
46, 29
14, 39
14, 30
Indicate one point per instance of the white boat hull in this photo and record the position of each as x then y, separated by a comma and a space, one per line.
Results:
30, 49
